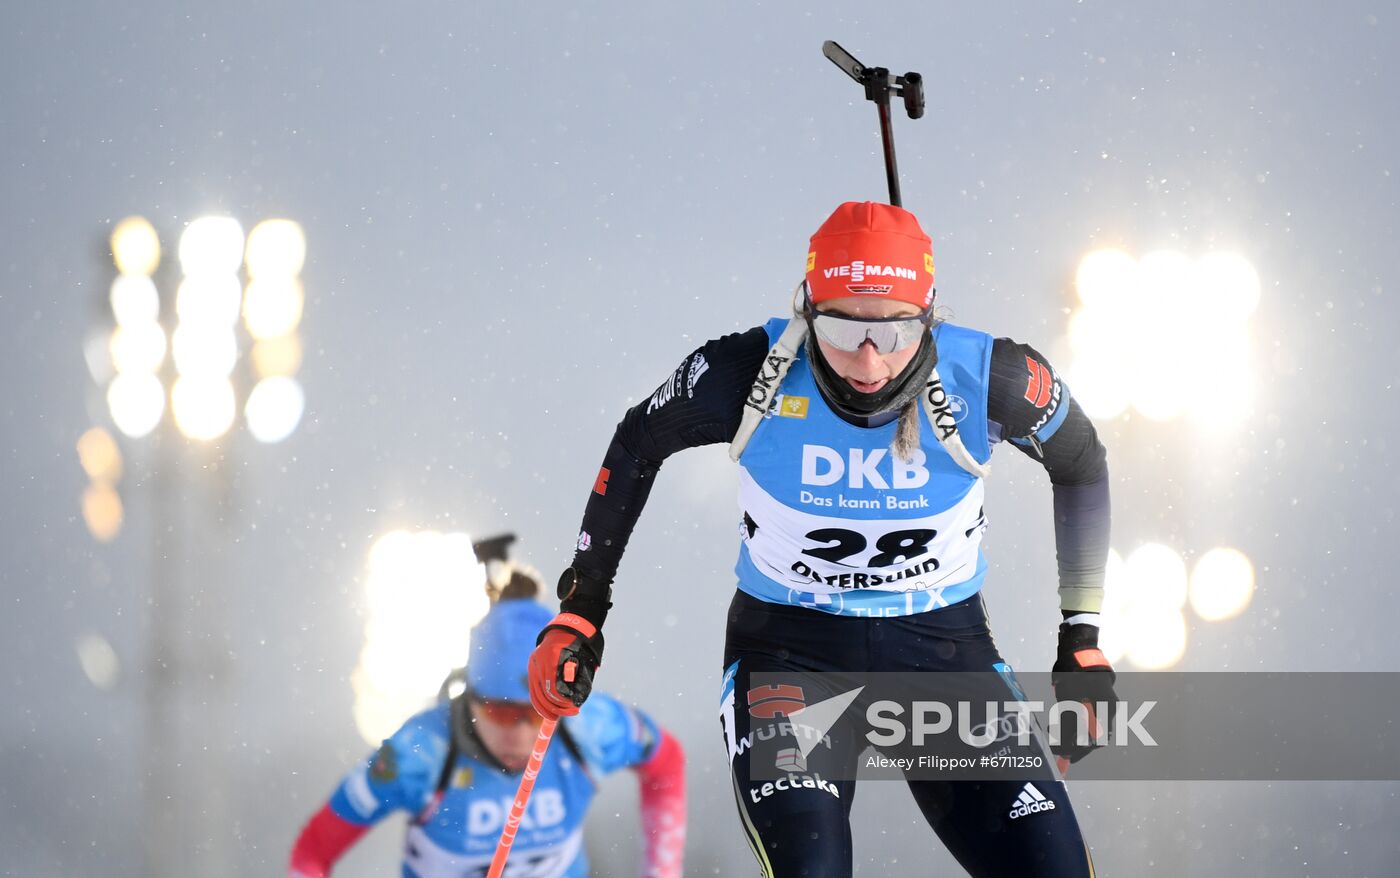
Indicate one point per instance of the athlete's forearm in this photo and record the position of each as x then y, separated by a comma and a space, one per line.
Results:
1081, 544
662, 781
323, 840
1078, 466
1036, 413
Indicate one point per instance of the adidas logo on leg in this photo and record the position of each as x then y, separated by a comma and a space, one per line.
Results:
1030, 802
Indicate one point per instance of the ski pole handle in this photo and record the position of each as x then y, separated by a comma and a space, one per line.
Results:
522, 797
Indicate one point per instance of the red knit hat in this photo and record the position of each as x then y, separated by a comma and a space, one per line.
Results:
871, 249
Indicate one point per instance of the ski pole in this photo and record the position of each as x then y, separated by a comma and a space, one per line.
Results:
522, 796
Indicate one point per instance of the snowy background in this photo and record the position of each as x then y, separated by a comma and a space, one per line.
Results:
519, 219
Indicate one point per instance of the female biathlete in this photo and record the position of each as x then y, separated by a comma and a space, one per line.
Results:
863, 426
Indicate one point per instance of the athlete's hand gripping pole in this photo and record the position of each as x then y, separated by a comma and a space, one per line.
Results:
522, 797
570, 648
1082, 673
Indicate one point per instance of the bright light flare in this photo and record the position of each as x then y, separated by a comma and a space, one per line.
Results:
1158, 637
1105, 275
423, 593
1099, 331
1117, 599
377, 712
1166, 283
1102, 391
203, 351
1228, 285
211, 245
1141, 616
1157, 574
98, 660
1160, 332
99, 455
102, 511
1222, 584
209, 300
274, 409
273, 306
135, 246
1159, 394
1223, 397
277, 356
134, 300
276, 249
138, 348
136, 401
204, 407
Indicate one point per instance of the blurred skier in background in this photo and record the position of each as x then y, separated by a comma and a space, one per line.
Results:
454, 769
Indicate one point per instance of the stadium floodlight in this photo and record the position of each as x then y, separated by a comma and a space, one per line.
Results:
138, 348
1157, 636
277, 356
135, 246
134, 300
1222, 584
136, 401
1167, 285
1229, 286
1138, 318
209, 300
102, 511
203, 405
1117, 600
1142, 618
274, 408
1141, 621
276, 249
99, 456
211, 245
202, 351
1223, 388
1105, 276
1158, 575
424, 590
197, 323
272, 306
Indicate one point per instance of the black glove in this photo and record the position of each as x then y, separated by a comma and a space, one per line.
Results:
1081, 673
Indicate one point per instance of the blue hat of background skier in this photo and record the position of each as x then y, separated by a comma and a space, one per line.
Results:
501, 644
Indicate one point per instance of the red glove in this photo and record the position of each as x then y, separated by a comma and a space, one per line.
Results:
568, 651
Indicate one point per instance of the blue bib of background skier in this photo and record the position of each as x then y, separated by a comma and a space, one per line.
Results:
457, 834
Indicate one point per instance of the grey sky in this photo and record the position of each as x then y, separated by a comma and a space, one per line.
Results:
521, 218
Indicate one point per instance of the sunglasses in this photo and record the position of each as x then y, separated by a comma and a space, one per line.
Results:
507, 713
887, 334
845, 333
